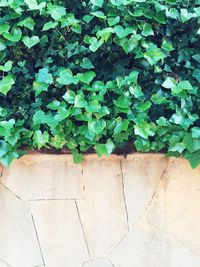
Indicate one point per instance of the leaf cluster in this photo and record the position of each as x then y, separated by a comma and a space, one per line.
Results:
100, 74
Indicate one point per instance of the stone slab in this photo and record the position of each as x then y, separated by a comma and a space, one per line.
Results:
60, 233
176, 206
18, 242
102, 210
145, 246
141, 174
41, 176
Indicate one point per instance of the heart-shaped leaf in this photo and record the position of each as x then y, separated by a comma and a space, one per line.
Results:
30, 41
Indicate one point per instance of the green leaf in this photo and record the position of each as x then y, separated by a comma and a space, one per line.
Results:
49, 25
44, 76
7, 66
77, 157
169, 83
80, 101
40, 139
13, 36
154, 55
96, 126
121, 32
192, 144
105, 149
56, 12
98, 3
30, 41
86, 64
6, 84
122, 102
86, 77
144, 130
66, 77
69, 96
194, 158
195, 132
147, 30
98, 14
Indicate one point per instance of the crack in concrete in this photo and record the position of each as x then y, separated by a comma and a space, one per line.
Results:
5, 263
8, 189
117, 244
157, 187
1, 171
54, 199
124, 196
37, 236
84, 235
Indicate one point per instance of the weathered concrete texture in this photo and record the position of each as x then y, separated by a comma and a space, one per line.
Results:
60, 234
44, 177
145, 246
142, 211
142, 175
18, 242
176, 206
102, 210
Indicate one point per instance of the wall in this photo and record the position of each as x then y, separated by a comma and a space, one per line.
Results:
142, 211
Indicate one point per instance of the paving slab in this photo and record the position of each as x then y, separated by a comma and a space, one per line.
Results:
18, 241
141, 175
145, 246
41, 176
60, 234
102, 210
176, 206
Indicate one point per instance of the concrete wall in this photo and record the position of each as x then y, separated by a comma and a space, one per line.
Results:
142, 211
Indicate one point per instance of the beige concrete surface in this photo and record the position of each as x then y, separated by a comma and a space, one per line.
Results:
142, 211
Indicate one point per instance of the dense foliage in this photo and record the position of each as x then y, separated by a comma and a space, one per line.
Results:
100, 74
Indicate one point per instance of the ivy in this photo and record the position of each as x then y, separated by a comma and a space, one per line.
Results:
100, 75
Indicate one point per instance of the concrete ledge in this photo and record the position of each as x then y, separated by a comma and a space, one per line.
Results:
142, 210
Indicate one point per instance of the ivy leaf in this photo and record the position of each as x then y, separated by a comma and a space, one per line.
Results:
49, 25
30, 41
44, 76
66, 77
80, 101
13, 36
6, 84
86, 77
96, 126
40, 139
153, 55
169, 83
192, 144
86, 63
105, 149
77, 157
121, 32
122, 102
56, 12
69, 96
147, 30
98, 3
194, 158
195, 132
7, 67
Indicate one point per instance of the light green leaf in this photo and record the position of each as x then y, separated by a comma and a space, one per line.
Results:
13, 36
6, 84
30, 41
66, 77
96, 126
86, 77
7, 67
98, 3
